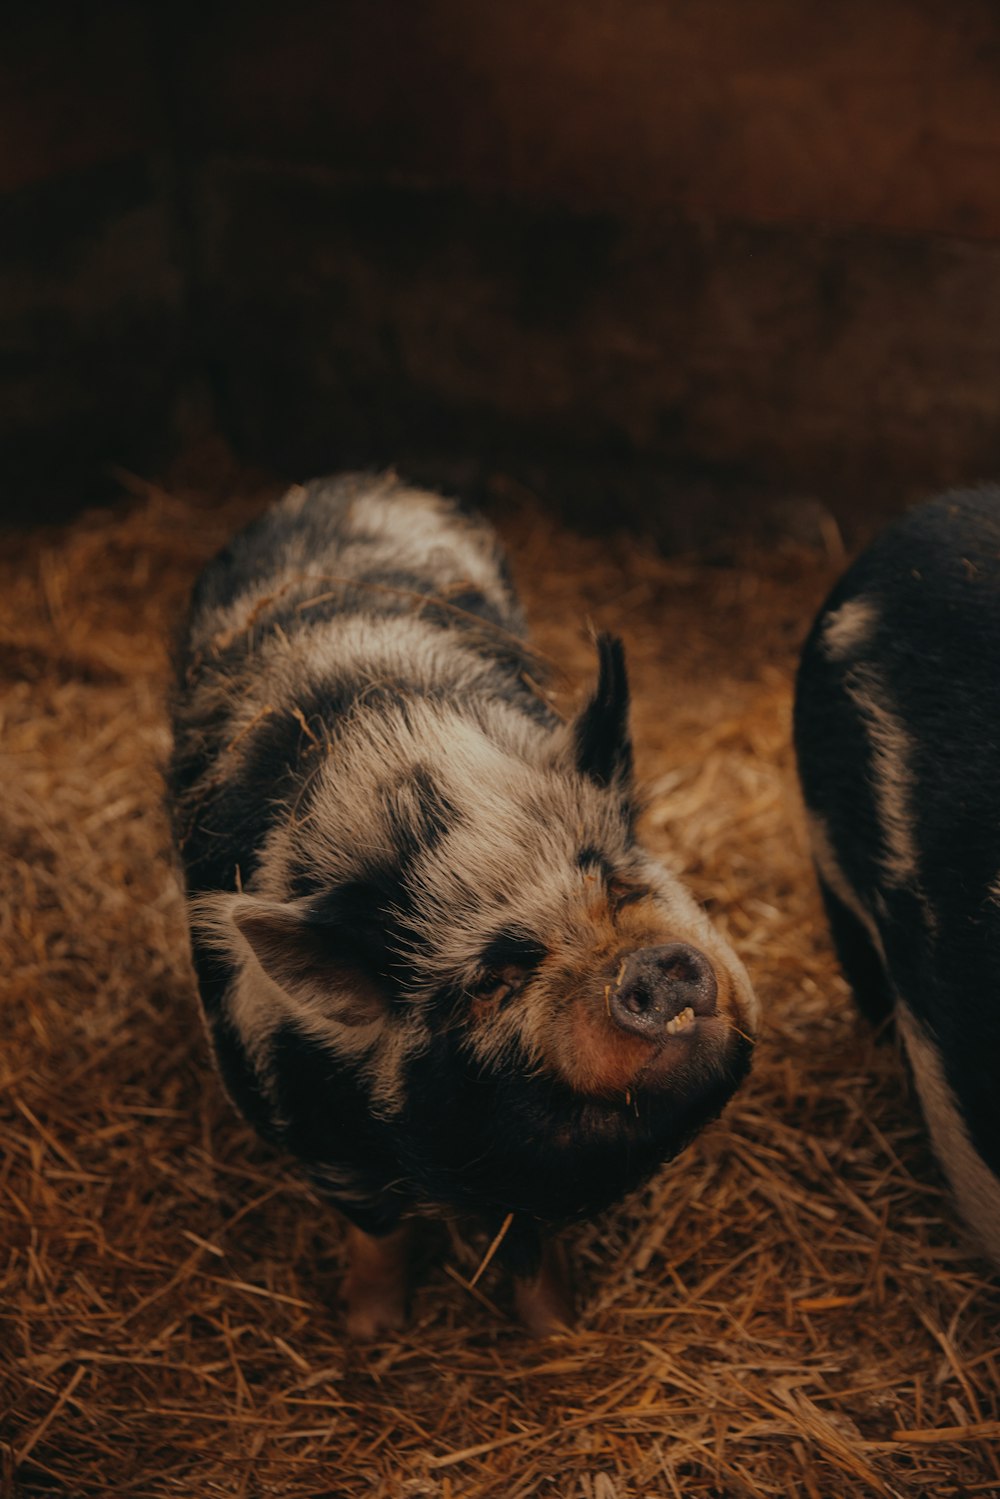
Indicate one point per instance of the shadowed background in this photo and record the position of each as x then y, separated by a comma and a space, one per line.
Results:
660, 262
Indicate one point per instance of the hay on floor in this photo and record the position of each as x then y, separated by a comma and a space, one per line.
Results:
790, 1308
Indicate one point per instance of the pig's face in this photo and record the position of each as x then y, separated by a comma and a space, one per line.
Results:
587, 1035
574, 954
516, 978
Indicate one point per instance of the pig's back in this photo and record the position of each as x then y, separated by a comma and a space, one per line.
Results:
348, 599
900, 680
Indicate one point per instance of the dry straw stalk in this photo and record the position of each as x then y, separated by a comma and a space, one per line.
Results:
790, 1308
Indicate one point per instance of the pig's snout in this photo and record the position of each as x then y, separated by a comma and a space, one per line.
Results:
662, 990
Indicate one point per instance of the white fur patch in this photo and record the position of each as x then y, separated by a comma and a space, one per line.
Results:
976, 1187
836, 880
365, 650
848, 628
892, 779
385, 524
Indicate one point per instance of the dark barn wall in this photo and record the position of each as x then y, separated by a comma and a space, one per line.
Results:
597, 245
873, 113
91, 297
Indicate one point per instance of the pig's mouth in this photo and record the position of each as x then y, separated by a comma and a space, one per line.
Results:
680, 1022
679, 1083
693, 1052
686, 1080
671, 1025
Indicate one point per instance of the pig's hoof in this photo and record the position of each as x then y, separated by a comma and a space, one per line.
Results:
543, 1314
545, 1303
375, 1288
372, 1311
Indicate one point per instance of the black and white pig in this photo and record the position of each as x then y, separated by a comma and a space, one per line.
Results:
897, 731
435, 963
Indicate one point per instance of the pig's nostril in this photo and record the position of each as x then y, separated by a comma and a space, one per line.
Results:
686, 968
663, 990
637, 1000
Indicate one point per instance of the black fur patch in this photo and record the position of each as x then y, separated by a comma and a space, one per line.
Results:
241, 1081
421, 814
603, 743
325, 1121
322, 522
512, 949
593, 859
235, 811
367, 918
514, 1140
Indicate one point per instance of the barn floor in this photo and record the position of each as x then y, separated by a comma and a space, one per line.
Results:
790, 1308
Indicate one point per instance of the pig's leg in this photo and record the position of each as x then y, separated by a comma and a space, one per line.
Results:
861, 962
544, 1300
376, 1288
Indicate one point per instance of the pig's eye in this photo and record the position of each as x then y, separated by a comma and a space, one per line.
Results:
621, 895
505, 967
498, 985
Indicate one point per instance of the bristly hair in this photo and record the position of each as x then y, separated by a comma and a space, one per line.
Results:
404, 859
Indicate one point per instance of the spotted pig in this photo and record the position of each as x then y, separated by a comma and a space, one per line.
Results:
435, 963
897, 729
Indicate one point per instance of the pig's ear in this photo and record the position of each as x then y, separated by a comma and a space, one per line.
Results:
602, 744
320, 959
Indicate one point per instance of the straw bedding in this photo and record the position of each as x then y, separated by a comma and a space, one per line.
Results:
790, 1308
